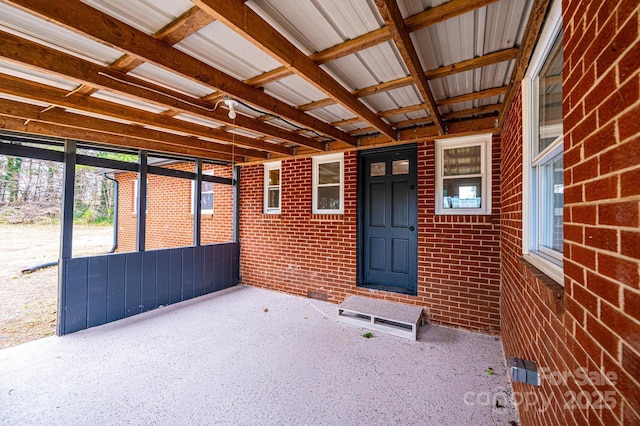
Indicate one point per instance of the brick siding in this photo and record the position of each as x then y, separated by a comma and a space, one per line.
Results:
169, 215
298, 252
593, 323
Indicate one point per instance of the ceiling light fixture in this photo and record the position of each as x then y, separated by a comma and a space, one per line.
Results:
231, 104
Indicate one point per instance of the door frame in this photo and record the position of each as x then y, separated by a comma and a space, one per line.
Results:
409, 148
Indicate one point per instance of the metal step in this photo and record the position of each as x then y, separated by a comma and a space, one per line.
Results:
380, 315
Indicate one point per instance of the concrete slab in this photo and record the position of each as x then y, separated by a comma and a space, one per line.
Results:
249, 357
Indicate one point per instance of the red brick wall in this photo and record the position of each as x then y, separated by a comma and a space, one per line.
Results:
169, 216
297, 252
593, 324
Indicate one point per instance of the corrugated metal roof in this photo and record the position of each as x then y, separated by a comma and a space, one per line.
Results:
36, 76
170, 80
312, 26
144, 15
17, 22
123, 100
220, 47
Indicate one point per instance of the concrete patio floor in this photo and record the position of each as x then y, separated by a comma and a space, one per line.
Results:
248, 356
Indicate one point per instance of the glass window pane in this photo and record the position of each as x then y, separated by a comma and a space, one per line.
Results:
550, 93
329, 197
462, 193
400, 167
462, 161
378, 169
551, 205
207, 187
329, 173
207, 201
274, 177
274, 198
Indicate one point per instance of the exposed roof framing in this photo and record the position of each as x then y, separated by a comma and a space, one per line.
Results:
400, 34
239, 17
310, 76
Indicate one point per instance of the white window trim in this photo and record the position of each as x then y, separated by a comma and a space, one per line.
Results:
275, 165
484, 141
323, 159
193, 194
548, 35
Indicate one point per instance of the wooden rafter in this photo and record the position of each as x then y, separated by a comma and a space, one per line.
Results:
89, 22
497, 91
42, 58
444, 71
60, 117
416, 22
443, 12
392, 16
238, 16
534, 25
34, 126
54, 96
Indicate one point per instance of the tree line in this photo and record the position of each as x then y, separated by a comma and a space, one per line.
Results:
31, 192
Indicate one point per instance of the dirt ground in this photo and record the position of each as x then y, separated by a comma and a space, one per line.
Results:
28, 302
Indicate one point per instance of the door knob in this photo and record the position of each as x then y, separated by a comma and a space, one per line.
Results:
411, 228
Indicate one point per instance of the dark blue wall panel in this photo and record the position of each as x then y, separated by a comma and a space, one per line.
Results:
175, 275
209, 277
187, 273
149, 272
101, 289
76, 293
133, 284
198, 273
115, 286
162, 278
97, 303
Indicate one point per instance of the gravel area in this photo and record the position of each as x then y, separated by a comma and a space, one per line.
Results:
28, 302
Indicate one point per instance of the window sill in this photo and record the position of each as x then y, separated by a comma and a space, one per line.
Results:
551, 293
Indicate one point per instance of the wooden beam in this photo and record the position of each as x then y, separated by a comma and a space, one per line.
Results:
36, 127
316, 104
373, 38
485, 109
58, 97
190, 22
243, 20
443, 12
46, 59
444, 71
78, 121
89, 22
497, 91
473, 126
392, 16
269, 77
349, 47
403, 110
531, 32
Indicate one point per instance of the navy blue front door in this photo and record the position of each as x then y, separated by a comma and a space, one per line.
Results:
389, 220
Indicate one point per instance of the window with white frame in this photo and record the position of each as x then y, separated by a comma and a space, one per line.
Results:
543, 170
272, 187
206, 198
463, 175
328, 184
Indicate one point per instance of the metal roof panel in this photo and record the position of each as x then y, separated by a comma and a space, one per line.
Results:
164, 78
144, 15
25, 25
220, 47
